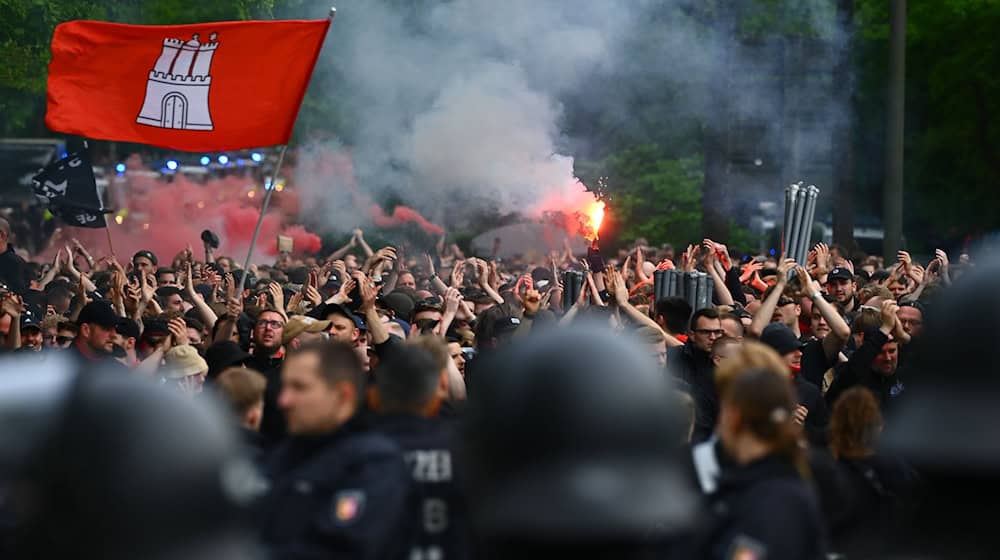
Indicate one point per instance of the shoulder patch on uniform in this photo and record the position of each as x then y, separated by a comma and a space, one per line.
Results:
347, 506
746, 548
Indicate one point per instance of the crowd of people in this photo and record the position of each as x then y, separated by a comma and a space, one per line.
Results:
400, 404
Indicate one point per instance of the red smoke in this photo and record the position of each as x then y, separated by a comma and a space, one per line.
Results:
402, 215
330, 168
166, 216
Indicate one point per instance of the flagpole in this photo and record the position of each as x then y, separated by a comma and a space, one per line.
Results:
269, 189
107, 228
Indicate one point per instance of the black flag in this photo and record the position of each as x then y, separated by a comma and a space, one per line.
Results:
69, 188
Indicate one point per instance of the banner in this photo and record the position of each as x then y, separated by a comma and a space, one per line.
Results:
69, 189
201, 87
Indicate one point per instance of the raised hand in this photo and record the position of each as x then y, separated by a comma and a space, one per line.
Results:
749, 270
178, 331
889, 311
532, 301
234, 307
784, 267
12, 305
452, 299
277, 295
458, 274
313, 296
366, 290
822, 259
295, 301
906, 260
809, 286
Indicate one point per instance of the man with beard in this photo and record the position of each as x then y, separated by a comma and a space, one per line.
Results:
874, 365
841, 286
692, 364
96, 336
268, 357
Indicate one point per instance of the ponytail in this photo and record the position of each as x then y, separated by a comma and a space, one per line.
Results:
766, 401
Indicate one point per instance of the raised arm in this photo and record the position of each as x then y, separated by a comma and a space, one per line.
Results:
763, 316
839, 331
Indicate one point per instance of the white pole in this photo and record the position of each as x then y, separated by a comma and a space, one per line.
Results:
269, 189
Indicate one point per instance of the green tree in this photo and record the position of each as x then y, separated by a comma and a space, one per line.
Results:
652, 196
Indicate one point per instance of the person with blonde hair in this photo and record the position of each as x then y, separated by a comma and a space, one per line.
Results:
764, 506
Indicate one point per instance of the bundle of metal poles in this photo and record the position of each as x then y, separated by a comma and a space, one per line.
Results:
800, 210
695, 287
572, 285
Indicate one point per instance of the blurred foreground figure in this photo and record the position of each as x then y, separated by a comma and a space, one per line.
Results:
571, 449
99, 465
949, 427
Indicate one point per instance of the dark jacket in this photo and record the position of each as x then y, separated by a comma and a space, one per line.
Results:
272, 425
437, 510
694, 367
341, 495
102, 361
818, 418
14, 271
858, 371
882, 488
765, 510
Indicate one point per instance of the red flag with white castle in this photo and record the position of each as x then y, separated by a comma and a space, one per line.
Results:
200, 87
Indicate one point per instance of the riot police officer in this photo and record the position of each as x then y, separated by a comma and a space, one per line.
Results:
410, 388
570, 451
337, 489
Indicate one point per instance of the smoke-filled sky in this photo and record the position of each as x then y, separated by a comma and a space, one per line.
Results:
451, 105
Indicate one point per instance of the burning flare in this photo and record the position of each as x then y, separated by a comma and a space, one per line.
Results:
594, 216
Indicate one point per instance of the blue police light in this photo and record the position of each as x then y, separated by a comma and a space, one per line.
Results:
205, 160
268, 185
772, 252
239, 162
120, 168
171, 165
257, 157
224, 159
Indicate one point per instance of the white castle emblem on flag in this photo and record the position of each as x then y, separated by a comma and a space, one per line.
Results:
178, 84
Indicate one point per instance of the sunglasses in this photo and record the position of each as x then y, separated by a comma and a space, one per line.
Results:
785, 301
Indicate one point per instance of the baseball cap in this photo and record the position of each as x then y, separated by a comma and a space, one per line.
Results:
781, 338
127, 328
542, 278
98, 313
147, 254
505, 325
29, 321
299, 324
840, 273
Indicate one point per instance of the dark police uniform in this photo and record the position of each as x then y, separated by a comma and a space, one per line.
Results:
342, 495
437, 509
765, 510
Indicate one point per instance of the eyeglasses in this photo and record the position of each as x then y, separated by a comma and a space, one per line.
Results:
710, 332
63, 339
270, 324
785, 301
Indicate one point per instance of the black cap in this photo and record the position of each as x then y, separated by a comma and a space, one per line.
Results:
400, 304
542, 278
840, 273
298, 275
222, 355
209, 238
147, 254
29, 321
781, 338
98, 313
127, 328
505, 325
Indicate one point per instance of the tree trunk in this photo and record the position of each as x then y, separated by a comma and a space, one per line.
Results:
843, 196
892, 222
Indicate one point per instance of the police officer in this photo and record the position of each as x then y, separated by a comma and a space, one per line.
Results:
109, 466
337, 490
948, 425
410, 388
570, 451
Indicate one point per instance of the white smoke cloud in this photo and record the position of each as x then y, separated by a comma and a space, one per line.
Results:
458, 100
